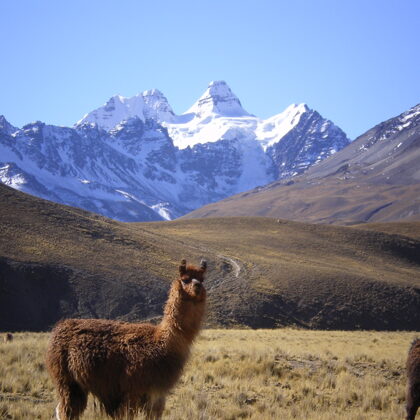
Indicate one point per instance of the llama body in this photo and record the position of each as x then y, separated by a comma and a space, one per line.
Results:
128, 367
413, 376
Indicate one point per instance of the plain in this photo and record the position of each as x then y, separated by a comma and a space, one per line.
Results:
251, 374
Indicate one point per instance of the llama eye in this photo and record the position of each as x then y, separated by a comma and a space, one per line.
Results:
186, 281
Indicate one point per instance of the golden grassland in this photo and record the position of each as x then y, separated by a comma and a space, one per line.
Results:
246, 374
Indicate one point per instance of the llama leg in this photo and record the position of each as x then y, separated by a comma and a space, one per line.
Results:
413, 401
57, 412
154, 408
73, 401
158, 407
117, 407
411, 411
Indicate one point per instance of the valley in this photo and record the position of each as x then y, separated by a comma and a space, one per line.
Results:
58, 261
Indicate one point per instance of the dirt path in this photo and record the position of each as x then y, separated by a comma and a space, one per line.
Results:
236, 266
234, 262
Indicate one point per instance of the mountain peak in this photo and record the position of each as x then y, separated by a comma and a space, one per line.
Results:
150, 104
5, 126
156, 106
155, 93
298, 107
220, 100
219, 88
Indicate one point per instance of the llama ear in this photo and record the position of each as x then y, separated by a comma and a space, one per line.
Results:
203, 265
183, 266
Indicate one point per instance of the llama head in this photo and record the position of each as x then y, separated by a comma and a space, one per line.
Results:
191, 280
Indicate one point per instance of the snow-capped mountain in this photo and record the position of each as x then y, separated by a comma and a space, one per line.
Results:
150, 104
134, 159
6, 127
218, 99
310, 140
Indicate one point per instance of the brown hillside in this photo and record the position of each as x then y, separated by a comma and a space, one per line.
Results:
328, 201
56, 261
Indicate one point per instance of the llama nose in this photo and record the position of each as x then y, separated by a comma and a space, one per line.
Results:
196, 283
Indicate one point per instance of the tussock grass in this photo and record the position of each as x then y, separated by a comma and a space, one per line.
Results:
250, 374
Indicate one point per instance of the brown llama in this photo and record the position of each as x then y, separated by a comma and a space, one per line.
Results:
127, 367
413, 376
8, 338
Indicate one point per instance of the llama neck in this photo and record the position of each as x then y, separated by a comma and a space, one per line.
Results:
182, 319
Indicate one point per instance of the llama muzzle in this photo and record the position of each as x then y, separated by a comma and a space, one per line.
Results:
196, 285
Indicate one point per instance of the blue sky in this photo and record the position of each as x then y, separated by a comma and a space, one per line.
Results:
356, 62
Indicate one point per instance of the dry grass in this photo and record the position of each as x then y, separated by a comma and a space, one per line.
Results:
329, 200
258, 374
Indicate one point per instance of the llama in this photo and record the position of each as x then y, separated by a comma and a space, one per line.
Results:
127, 367
8, 338
413, 376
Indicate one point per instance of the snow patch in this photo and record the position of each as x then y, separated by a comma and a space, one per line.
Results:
15, 181
162, 210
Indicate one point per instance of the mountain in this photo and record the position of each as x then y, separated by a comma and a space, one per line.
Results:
218, 99
6, 127
374, 179
58, 261
150, 104
134, 159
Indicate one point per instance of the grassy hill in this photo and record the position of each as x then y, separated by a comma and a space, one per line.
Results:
333, 200
57, 261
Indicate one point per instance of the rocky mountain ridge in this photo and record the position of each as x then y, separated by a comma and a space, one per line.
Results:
374, 179
134, 159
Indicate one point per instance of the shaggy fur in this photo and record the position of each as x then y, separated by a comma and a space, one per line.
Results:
8, 338
128, 367
413, 376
